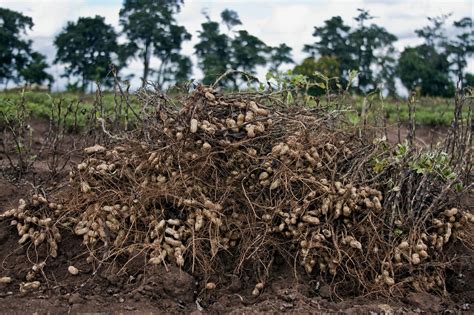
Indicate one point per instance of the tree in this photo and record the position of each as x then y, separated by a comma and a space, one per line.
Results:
326, 65
168, 51
179, 69
248, 52
151, 26
434, 34
462, 47
213, 52
332, 40
230, 18
14, 49
424, 68
35, 70
365, 42
387, 70
470, 80
87, 48
280, 55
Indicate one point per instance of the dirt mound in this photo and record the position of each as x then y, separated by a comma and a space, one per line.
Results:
221, 191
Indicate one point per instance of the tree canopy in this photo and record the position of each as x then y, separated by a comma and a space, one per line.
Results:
87, 48
152, 28
213, 51
462, 47
15, 50
35, 70
150, 32
280, 55
332, 40
423, 68
218, 52
426, 67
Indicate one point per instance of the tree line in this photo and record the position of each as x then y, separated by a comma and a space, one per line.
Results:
89, 46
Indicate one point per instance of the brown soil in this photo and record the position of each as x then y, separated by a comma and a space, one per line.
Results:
168, 289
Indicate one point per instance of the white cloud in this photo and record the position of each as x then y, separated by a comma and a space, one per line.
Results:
275, 22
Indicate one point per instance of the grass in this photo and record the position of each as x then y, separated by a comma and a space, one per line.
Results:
73, 108
429, 111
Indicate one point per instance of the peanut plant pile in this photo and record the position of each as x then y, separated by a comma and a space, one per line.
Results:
228, 182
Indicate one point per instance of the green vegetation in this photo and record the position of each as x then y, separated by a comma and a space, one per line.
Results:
429, 110
152, 30
75, 109
87, 48
18, 61
90, 52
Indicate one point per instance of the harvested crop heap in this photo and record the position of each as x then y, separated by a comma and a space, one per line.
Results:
228, 182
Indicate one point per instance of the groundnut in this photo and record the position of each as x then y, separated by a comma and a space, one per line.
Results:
85, 187
403, 245
261, 112
179, 257
389, 280
310, 219
174, 221
259, 127
172, 242
24, 238
263, 176
6, 280
346, 211
423, 254
73, 270
250, 131
249, 116
29, 286
193, 125
275, 184
94, 149
451, 212
240, 119
199, 222
210, 286
39, 239
415, 258
210, 96
355, 244
45, 222
81, 230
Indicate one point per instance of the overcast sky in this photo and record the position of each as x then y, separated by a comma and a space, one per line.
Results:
273, 21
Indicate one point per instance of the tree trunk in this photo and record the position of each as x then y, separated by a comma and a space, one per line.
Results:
460, 74
84, 83
160, 77
146, 63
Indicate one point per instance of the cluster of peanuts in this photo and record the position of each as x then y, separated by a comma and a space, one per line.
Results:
413, 251
36, 226
311, 223
214, 165
248, 117
433, 239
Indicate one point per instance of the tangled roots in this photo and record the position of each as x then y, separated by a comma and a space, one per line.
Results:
226, 182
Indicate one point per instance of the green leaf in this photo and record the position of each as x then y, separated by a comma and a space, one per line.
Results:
398, 232
289, 98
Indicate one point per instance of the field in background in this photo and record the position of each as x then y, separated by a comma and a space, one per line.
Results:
430, 111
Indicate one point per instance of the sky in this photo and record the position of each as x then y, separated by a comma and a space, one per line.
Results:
274, 21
